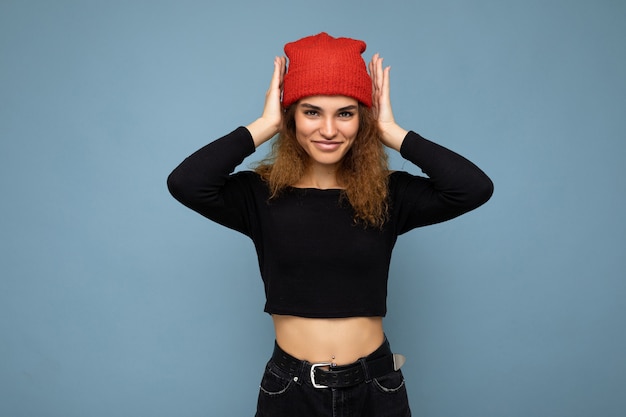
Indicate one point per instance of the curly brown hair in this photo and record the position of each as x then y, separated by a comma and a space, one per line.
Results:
363, 171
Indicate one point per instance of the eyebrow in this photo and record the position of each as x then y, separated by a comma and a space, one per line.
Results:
351, 107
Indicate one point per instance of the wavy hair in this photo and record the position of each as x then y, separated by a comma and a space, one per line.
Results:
363, 170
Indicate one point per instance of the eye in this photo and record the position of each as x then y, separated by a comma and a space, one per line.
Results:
346, 114
310, 113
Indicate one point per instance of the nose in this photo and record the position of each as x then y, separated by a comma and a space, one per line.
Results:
328, 129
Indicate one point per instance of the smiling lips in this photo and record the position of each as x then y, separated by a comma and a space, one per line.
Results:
327, 145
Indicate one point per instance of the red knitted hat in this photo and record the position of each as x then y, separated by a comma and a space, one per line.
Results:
323, 65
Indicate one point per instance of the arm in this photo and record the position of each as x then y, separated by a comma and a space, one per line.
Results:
455, 185
203, 181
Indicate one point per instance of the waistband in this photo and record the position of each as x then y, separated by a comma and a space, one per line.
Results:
380, 362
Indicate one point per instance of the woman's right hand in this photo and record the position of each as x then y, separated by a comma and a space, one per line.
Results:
270, 122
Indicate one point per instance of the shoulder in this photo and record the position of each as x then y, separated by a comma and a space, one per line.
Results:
399, 179
403, 185
251, 181
248, 177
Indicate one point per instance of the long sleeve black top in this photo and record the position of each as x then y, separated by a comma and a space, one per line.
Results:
315, 261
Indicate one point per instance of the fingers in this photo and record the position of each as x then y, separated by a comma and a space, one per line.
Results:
272, 97
379, 75
278, 74
272, 111
380, 79
380, 88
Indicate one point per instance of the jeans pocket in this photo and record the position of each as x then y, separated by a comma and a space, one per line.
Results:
390, 383
274, 383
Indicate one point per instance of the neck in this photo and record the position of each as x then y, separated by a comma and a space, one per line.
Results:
320, 176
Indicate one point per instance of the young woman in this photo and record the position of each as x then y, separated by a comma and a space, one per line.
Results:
324, 212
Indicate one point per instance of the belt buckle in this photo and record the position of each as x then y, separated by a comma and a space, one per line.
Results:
312, 373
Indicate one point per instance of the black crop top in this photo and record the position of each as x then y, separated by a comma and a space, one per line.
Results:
314, 260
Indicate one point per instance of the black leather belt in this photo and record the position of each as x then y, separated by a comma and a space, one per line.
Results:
326, 375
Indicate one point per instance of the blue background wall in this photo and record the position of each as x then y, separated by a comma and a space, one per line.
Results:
117, 301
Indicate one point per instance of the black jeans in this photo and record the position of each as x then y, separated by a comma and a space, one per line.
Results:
285, 394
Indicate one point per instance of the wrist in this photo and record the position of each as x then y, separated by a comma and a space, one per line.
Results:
262, 130
392, 135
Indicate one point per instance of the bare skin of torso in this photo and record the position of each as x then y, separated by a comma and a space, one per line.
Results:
340, 341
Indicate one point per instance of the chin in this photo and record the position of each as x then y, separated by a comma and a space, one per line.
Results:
327, 159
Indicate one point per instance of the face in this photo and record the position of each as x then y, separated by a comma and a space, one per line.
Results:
326, 127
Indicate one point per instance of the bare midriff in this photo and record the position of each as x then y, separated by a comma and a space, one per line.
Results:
337, 340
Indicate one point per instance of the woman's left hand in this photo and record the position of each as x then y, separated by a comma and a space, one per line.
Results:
392, 135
